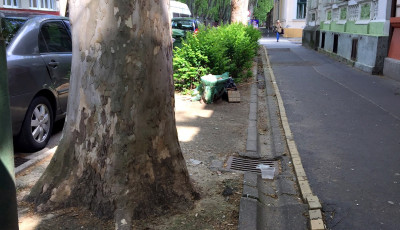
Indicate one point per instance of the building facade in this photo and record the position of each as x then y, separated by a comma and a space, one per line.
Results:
55, 7
391, 66
355, 31
292, 15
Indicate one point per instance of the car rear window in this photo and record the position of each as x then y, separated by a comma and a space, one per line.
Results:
10, 27
183, 24
54, 38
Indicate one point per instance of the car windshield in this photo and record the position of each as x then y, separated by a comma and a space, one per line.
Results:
183, 24
10, 27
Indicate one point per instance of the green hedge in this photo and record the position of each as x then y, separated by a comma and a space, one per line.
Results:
214, 50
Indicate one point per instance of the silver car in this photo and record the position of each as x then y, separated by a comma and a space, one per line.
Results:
39, 49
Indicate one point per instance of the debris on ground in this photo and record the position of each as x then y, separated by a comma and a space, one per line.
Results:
201, 146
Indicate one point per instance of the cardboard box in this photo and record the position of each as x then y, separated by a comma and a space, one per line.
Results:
233, 96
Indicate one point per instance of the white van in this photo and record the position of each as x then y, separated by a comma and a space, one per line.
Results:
178, 10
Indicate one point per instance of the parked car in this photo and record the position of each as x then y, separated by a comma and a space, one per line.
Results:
186, 24
181, 26
39, 51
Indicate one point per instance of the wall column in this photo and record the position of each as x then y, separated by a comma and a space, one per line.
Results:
394, 49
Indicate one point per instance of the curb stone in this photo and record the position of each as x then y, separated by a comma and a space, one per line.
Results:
249, 200
252, 135
247, 213
316, 221
34, 160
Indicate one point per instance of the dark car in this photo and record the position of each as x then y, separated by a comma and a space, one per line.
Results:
181, 26
39, 51
186, 24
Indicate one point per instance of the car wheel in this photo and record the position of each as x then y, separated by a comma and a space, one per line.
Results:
37, 126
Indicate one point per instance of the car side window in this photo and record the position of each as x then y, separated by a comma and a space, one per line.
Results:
54, 37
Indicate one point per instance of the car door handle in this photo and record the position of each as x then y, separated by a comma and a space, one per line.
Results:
53, 63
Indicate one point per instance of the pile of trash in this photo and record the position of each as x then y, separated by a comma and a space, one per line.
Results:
212, 87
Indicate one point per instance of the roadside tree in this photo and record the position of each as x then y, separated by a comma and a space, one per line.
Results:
239, 11
262, 8
210, 11
119, 155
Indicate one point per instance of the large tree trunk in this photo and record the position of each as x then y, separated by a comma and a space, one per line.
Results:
239, 11
252, 6
119, 155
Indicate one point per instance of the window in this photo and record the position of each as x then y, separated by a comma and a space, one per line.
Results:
41, 4
335, 43
183, 24
323, 40
54, 38
365, 11
178, 15
11, 3
354, 47
329, 15
10, 27
301, 9
343, 13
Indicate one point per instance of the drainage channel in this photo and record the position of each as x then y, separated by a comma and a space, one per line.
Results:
248, 165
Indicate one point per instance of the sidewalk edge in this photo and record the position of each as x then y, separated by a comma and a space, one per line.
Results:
315, 214
248, 204
20, 169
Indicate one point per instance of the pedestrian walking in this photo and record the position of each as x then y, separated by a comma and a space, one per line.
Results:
278, 29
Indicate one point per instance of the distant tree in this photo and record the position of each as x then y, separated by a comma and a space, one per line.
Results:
262, 8
239, 11
119, 155
220, 10
210, 10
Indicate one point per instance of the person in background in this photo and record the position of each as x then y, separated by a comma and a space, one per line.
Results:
278, 29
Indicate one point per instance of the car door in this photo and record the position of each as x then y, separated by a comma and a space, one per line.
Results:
55, 47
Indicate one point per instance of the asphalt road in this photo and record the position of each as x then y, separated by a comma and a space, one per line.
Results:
346, 125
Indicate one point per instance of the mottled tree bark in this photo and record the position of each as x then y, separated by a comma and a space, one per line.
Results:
239, 11
119, 155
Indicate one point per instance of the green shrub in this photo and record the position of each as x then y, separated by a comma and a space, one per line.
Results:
189, 64
215, 50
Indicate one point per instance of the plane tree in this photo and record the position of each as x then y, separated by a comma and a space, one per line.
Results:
239, 11
119, 155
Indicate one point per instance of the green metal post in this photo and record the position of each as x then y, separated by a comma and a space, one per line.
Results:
8, 199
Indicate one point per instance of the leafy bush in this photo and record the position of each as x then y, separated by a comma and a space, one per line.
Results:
189, 64
228, 48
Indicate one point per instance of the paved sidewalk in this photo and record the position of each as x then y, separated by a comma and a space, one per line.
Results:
346, 124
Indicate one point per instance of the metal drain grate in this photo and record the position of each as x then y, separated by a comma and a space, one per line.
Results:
19, 161
248, 165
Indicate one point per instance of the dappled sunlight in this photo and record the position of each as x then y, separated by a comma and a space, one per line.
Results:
185, 116
186, 113
29, 222
187, 133
181, 109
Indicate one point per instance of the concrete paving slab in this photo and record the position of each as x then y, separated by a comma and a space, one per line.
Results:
286, 186
250, 179
283, 217
248, 214
250, 192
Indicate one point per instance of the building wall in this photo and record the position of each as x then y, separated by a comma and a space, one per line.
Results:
361, 28
24, 5
286, 12
392, 62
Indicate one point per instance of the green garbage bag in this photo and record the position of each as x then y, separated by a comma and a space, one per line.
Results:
213, 86
178, 35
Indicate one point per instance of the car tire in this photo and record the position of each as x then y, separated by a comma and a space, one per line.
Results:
37, 126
